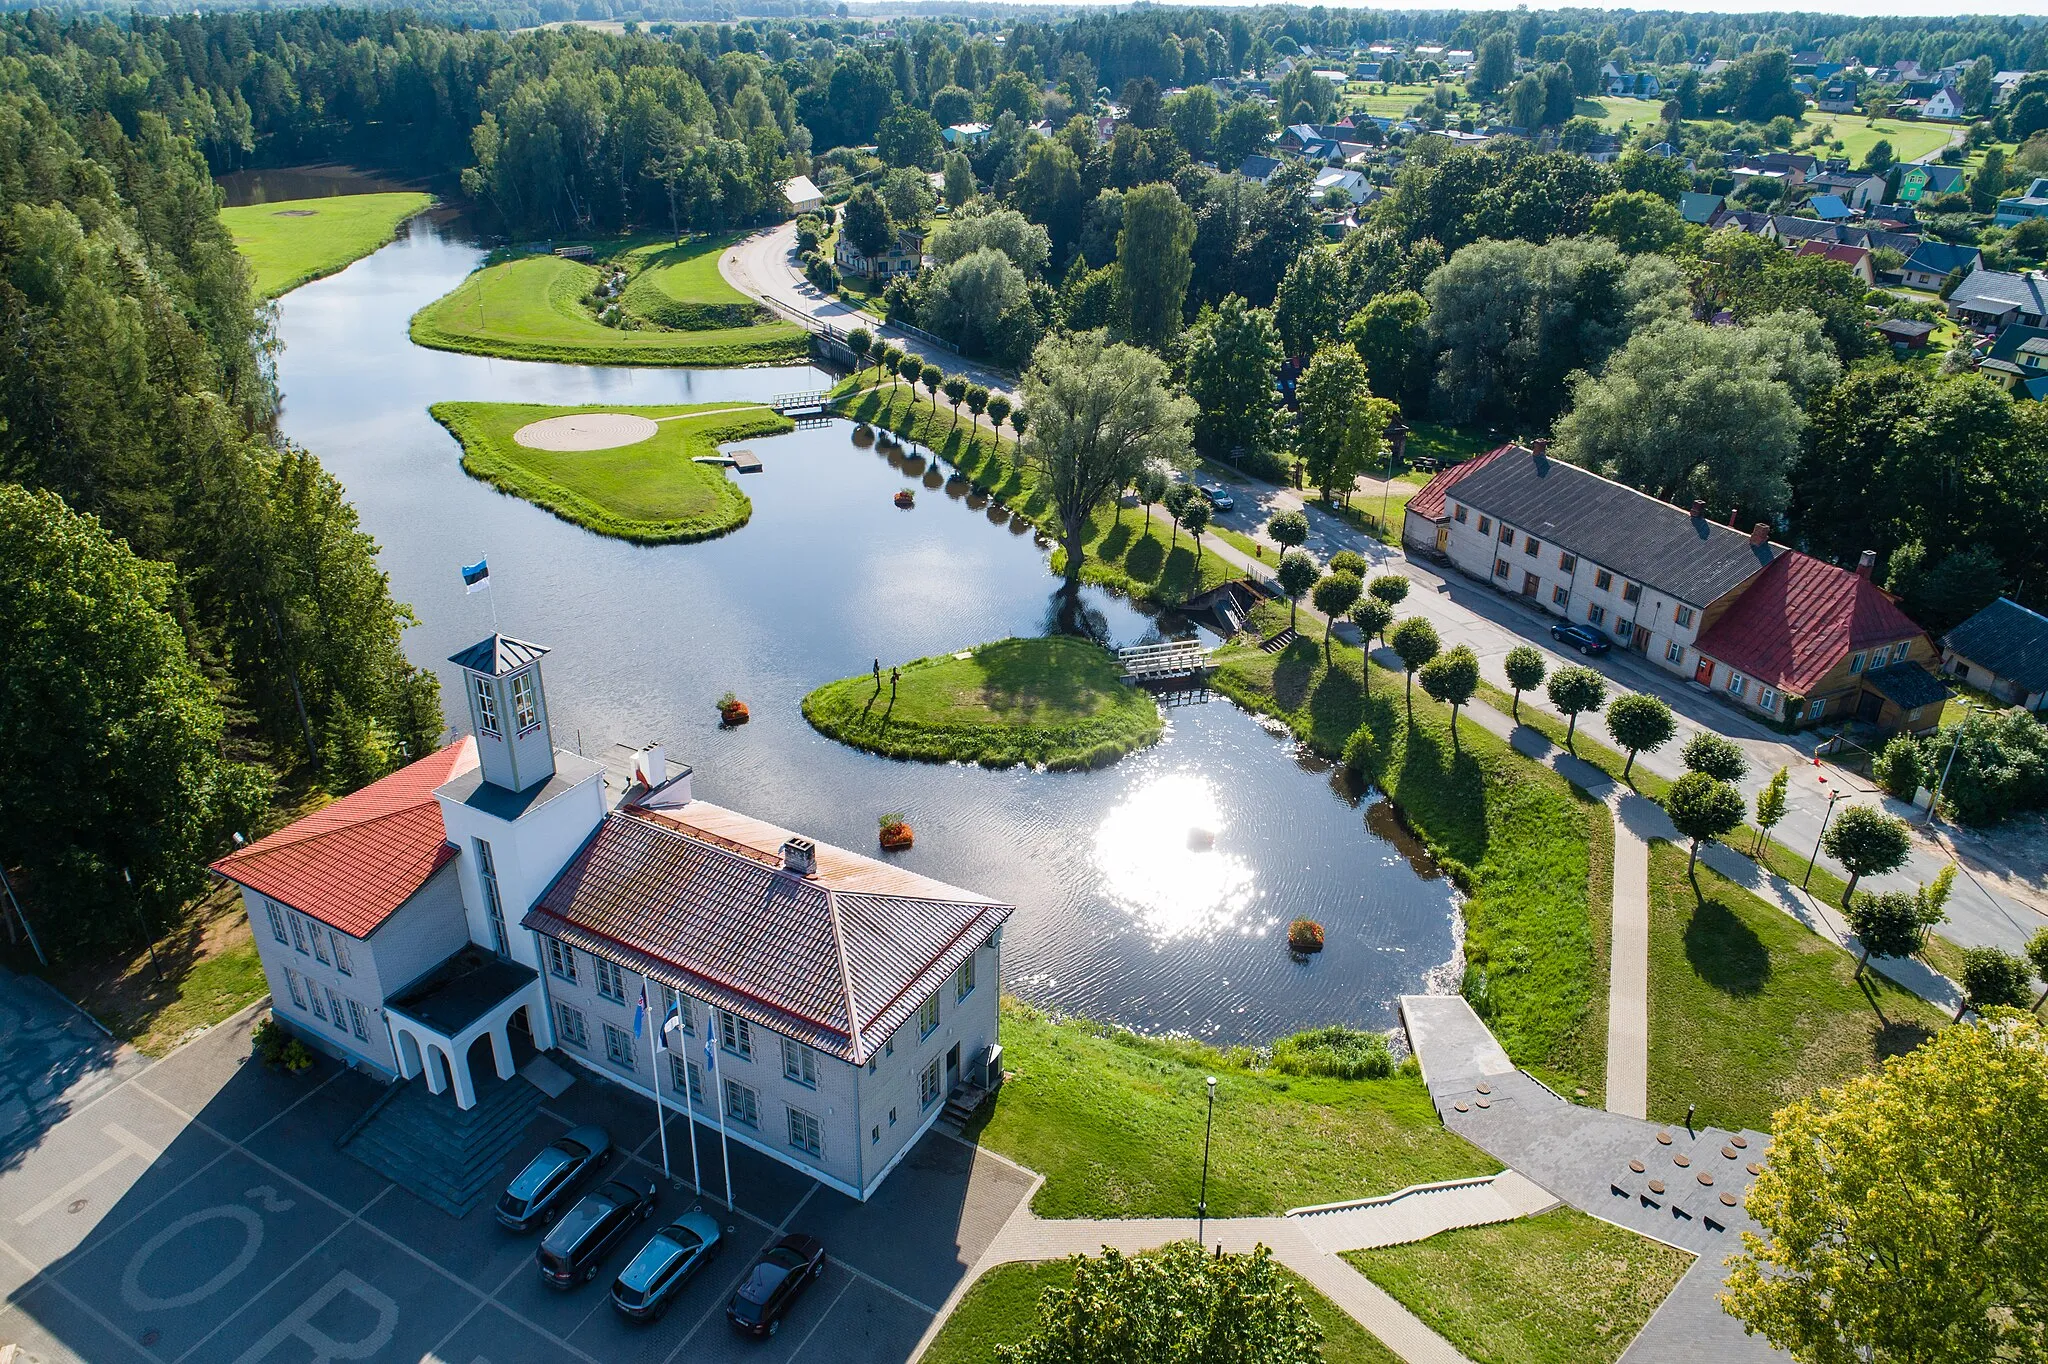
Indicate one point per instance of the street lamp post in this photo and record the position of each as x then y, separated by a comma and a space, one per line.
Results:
1934, 803
1208, 1126
1833, 796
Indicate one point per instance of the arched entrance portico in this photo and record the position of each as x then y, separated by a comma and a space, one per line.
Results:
455, 1021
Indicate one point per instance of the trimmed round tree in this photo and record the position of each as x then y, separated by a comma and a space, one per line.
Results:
1390, 588
1701, 808
934, 380
1195, 516
1525, 668
1019, 419
1372, 617
998, 410
1349, 561
1887, 925
1296, 575
1451, 679
1415, 640
1640, 724
2037, 957
1333, 596
1151, 482
977, 401
1993, 978
1717, 757
861, 342
955, 386
1576, 689
1288, 529
1867, 842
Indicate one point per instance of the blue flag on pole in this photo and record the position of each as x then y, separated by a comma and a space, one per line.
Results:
640, 1013
710, 1056
477, 576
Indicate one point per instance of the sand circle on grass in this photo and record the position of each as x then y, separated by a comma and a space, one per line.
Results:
585, 431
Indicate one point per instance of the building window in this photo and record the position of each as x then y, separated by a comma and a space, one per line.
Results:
313, 994
742, 1105
963, 979
1817, 709
1855, 663
1568, 563
494, 904
618, 1047
889, 1045
336, 1015
1507, 535
1500, 568
735, 1035
1674, 653
276, 921
358, 1020
928, 1086
804, 1133
1900, 650
1767, 700
1603, 580
799, 1063
611, 983
1624, 630
319, 943
291, 980
341, 959
486, 707
569, 1023
1532, 546
685, 1077
1738, 685
892, 1117
1683, 615
525, 703
1458, 514
1596, 615
875, 1134
1632, 592
928, 1015
561, 959
1561, 595
1486, 525
298, 934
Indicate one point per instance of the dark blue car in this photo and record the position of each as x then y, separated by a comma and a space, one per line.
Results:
571, 1252
670, 1259
1587, 641
539, 1192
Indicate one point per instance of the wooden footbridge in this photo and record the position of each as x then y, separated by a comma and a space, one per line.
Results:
815, 403
1173, 661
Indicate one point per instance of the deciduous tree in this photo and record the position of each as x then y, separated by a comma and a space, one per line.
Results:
1415, 640
1867, 842
1233, 354
1451, 679
1334, 595
1702, 807
1639, 723
1296, 574
1575, 689
1770, 806
1525, 669
1993, 978
1714, 755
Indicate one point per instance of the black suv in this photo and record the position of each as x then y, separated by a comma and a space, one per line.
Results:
540, 1191
1588, 642
775, 1282
572, 1250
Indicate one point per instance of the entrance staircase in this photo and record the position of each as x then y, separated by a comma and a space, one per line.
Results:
450, 1157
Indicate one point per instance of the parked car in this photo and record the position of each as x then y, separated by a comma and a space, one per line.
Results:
777, 1279
1587, 641
1219, 497
538, 1193
670, 1259
571, 1251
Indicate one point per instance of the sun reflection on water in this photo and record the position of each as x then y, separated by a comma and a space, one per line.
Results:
1157, 855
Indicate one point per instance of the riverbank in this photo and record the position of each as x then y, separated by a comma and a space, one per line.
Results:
300, 240
650, 492
1058, 703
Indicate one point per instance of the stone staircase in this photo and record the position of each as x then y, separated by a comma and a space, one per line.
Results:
425, 1144
1280, 641
1421, 1211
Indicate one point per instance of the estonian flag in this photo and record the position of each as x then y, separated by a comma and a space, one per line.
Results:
477, 576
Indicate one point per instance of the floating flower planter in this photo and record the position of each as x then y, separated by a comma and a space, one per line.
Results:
1304, 936
896, 833
905, 498
732, 710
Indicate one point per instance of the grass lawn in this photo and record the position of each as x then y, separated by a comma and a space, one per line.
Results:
652, 492
210, 971
1395, 103
1562, 1288
1514, 834
1446, 443
1613, 112
1857, 134
1002, 1309
1113, 1120
532, 308
1121, 552
298, 240
1058, 702
1749, 1010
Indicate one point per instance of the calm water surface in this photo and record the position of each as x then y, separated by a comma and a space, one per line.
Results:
1118, 916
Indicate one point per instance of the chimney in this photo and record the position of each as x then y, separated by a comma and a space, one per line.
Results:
800, 855
650, 766
1735, 518
1539, 447
1699, 509
1867, 564
1760, 533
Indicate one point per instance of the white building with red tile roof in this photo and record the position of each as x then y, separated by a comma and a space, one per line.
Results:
828, 1004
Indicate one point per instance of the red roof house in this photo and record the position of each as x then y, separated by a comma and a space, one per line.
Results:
352, 863
1427, 510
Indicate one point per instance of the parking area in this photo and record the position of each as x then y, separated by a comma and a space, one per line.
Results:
199, 1209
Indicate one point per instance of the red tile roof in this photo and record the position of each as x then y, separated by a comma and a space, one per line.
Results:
1429, 503
352, 863
1801, 617
1847, 255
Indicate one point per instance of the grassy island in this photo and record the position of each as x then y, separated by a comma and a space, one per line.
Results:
675, 309
296, 241
652, 492
1058, 702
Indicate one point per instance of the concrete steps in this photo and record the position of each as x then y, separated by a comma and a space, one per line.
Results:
1420, 1212
451, 1158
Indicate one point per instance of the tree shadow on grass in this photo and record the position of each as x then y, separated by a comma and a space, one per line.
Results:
1894, 1036
1294, 674
1446, 792
1724, 951
1142, 560
1115, 544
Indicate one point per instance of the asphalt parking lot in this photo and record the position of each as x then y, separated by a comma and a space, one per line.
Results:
199, 1209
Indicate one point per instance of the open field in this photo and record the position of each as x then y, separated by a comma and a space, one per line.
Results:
1058, 702
1562, 1288
652, 492
534, 308
1397, 100
1113, 1120
1613, 112
1858, 134
295, 241
1750, 1010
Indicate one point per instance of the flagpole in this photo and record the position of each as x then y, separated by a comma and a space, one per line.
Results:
660, 1114
718, 1111
689, 1111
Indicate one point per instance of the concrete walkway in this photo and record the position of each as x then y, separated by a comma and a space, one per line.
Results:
1628, 972
1421, 1211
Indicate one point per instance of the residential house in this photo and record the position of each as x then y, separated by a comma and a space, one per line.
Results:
2018, 362
1366, 71
1350, 184
961, 135
2003, 650
903, 256
1903, 333
1829, 208
1856, 258
492, 898
1807, 642
1620, 84
1992, 299
1922, 181
803, 196
1947, 102
1857, 191
1902, 72
2032, 204
1298, 137
1789, 232
2003, 83
1929, 266
1699, 208
1585, 548
1259, 169
1794, 168
1837, 97
1426, 518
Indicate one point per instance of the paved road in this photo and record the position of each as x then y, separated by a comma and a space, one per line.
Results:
763, 266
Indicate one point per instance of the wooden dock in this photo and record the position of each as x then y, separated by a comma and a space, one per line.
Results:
1173, 661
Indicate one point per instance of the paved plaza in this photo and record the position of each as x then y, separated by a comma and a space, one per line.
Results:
198, 1209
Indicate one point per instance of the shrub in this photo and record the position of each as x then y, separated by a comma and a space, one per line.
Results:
1897, 768
1349, 561
1359, 758
1336, 1051
1304, 936
279, 1048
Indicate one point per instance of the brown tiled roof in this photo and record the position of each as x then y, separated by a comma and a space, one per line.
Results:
1429, 503
697, 897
